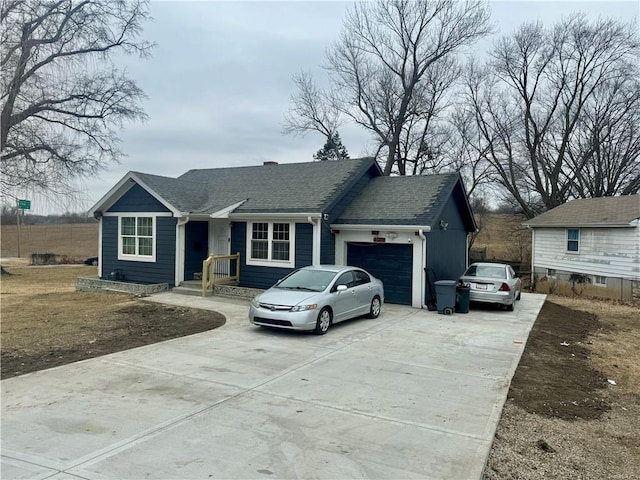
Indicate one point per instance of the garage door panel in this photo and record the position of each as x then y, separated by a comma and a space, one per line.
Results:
390, 263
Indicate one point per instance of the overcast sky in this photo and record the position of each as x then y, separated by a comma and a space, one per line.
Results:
220, 81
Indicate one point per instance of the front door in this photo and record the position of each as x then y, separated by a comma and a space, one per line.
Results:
219, 237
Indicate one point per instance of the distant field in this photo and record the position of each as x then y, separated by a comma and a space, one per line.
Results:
78, 240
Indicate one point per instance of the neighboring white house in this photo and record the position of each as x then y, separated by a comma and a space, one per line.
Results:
595, 238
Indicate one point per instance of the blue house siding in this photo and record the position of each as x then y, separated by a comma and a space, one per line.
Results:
264, 277
327, 245
447, 249
137, 199
327, 240
160, 271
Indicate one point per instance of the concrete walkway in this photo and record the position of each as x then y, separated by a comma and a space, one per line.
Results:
412, 394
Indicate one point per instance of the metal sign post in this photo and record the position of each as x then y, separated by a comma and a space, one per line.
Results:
22, 205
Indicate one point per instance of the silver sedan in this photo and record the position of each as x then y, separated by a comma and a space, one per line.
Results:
314, 298
493, 283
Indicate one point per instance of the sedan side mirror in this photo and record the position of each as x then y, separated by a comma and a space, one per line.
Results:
341, 288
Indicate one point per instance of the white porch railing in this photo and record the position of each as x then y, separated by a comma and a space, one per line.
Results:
218, 269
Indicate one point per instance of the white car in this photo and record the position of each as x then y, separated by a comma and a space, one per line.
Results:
314, 298
493, 283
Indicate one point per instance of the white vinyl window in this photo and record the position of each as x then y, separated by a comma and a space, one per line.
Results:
271, 244
136, 238
599, 280
573, 240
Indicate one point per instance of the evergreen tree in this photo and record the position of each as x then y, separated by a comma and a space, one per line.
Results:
333, 149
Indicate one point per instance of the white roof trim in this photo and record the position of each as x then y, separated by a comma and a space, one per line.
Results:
224, 213
633, 223
275, 215
345, 226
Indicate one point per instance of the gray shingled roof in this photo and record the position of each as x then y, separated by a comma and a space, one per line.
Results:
603, 211
405, 200
291, 188
185, 196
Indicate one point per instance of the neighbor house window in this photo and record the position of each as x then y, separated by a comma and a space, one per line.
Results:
136, 239
573, 240
551, 272
600, 280
270, 244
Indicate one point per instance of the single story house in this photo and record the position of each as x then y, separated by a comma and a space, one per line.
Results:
596, 238
279, 217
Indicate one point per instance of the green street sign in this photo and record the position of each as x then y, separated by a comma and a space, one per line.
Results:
24, 204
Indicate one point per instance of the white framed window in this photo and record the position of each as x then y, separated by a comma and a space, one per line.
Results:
137, 237
551, 272
573, 240
599, 280
271, 244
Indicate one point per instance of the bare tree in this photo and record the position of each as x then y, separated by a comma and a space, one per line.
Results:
530, 101
312, 111
605, 152
62, 98
383, 72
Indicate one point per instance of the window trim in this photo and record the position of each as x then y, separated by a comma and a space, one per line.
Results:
595, 280
269, 262
567, 240
137, 257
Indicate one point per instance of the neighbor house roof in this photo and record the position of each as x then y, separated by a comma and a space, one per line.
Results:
591, 212
405, 200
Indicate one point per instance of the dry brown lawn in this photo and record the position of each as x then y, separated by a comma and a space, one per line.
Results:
46, 323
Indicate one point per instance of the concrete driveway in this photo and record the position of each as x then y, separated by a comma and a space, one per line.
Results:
412, 394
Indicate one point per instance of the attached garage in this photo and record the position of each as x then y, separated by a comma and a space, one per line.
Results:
391, 263
397, 228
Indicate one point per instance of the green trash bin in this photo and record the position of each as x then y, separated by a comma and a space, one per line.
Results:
462, 298
446, 296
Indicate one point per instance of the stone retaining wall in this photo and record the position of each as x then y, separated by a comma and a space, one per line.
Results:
236, 292
89, 284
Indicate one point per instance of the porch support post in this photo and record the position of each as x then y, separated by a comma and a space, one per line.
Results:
180, 246
316, 239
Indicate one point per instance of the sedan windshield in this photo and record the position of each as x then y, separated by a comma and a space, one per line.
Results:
312, 280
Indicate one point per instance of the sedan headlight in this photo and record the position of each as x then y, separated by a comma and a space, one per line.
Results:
255, 302
302, 308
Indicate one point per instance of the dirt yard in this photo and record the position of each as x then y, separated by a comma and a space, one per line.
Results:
46, 323
573, 409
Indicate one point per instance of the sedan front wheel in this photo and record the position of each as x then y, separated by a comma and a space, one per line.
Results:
374, 311
323, 322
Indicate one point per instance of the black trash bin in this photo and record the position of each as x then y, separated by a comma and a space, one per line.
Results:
446, 296
462, 298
